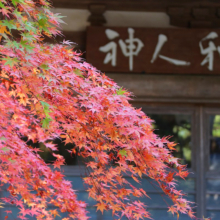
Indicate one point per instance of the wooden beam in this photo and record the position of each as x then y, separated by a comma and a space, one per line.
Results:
136, 5
187, 13
171, 88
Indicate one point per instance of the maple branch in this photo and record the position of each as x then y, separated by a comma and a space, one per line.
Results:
7, 79
74, 91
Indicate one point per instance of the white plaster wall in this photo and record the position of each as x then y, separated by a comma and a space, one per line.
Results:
137, 19
76, 20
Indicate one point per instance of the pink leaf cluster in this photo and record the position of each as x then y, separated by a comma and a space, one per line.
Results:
49, 92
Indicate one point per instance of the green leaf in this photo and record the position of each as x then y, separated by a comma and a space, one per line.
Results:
27, 46
120, 91
15, 2
29, 26
28, 36
42, 76
44, 66
5, 149
123, 152
12, 44
45, 122
15, 44
45, 105
2, 5
9, 24
3, 138
10, 61
78, 73
12, 161
42, 22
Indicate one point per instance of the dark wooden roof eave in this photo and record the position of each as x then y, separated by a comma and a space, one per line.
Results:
137, 5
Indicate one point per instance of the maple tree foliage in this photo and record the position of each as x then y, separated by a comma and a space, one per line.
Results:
49, 92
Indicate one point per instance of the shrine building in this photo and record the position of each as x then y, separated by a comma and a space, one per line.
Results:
167, 52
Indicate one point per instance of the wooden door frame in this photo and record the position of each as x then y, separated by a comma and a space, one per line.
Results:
200, 151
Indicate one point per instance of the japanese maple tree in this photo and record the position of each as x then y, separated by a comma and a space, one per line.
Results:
49, 92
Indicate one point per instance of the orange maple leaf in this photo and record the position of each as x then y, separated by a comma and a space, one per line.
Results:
101, 206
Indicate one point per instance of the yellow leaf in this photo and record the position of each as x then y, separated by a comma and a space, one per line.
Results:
3, 30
